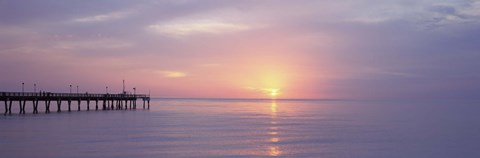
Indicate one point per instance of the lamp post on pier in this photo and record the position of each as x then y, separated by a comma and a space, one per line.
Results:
70, 88
106, 89
34, 87
77, 89
134, 91
23, 87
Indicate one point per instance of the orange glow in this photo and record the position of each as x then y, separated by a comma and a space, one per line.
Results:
274, 151
272, 133
274, 140
273, 128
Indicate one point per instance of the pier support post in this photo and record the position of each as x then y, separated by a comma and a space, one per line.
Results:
22, 106
47, 106
10, 107
112, 106
148, 103
69, 103
59, 105
6, 106
143, 103
35, 106
131, 104
119, 104
96, 104
104, 105
88, 104
79, 104
135, 103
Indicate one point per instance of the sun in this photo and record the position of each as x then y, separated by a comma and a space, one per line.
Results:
273, 92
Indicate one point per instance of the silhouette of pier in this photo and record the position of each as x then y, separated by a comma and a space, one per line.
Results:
122, 101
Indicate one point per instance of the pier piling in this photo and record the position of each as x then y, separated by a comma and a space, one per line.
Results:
69, 105
47, 106
6, 106
96, 104
78, 105
59, 103
88, 104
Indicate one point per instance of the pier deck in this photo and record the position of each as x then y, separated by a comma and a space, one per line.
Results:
108, 101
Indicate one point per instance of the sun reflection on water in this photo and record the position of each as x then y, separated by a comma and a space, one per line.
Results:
274, 151
273, 148
274, 140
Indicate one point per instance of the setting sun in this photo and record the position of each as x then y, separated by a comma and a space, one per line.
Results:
273, 92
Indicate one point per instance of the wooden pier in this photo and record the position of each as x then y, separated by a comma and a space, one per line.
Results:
107, 101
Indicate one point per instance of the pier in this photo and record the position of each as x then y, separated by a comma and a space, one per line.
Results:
122, 101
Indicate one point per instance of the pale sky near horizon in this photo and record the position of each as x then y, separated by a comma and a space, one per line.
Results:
363, 49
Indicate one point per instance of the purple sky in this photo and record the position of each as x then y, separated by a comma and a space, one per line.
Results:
365, 49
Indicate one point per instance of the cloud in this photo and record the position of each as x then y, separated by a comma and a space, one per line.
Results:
191, 27
379, 71
210, 65
99, 44
103, 17
172, 74
215, 21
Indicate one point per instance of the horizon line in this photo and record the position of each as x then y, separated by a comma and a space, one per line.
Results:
230, 98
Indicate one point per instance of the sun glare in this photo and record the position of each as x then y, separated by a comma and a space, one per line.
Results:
273, 92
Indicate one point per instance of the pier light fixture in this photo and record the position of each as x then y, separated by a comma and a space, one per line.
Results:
106, 89
34, 87
23, 87
77, 88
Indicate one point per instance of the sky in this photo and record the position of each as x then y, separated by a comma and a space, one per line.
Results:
316, 49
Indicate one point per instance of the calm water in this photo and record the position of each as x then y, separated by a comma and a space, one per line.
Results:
250, 128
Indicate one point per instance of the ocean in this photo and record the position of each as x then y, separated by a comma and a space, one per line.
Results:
249, 128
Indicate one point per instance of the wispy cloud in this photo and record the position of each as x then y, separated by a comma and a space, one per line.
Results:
172, 74
190, 27
379, 71
210, 65
97, 44
104, 17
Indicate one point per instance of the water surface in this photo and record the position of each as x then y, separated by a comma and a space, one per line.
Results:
250, 128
